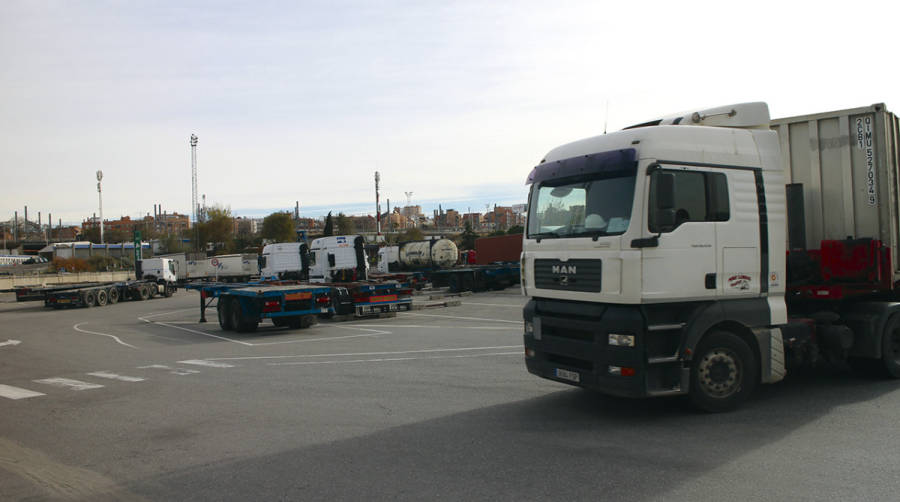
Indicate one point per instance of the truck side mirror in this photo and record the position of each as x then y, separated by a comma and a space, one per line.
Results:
665, 201
665, 191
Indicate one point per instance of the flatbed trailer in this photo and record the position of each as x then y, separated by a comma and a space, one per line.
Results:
477, 277
95, 294
241, 307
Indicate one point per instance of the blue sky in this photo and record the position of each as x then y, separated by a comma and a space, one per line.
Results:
453, 101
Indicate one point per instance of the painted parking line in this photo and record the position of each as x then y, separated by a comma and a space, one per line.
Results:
394, 359
115, 376
358, 354
462, 318
117, 339
69, 383
494, 305
10, 392
174, 371
204, 362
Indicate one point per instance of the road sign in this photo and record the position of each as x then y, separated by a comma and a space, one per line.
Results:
214, 262
137, 246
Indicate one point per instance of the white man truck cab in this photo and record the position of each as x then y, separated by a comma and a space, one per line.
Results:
652, 260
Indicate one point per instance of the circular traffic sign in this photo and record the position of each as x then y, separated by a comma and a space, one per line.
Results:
214, 262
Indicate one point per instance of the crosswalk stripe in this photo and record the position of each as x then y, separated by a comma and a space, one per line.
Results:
211, 364
113, 376
70, 383
10, 392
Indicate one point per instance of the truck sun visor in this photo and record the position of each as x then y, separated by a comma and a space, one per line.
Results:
613, 161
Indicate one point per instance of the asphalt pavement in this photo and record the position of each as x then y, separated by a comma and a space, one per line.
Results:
139, 401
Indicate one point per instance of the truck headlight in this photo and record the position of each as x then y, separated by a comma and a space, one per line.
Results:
618, 340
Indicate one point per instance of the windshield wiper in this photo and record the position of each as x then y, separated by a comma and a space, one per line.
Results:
590, 233
543, 235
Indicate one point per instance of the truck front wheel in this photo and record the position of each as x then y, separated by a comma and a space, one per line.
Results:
723, 372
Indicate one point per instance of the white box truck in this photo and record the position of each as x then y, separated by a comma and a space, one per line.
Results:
707, 252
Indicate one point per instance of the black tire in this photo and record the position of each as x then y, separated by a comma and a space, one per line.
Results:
90, 299
154, 290
239, 320
308, 321
170, 290
890, 347
223, 309
279, 322
724, 372
102, 298
144, 292
112, 296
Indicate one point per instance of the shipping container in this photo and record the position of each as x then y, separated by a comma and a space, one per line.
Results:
501, 248
847, 164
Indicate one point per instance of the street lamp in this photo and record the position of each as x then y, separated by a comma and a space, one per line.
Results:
100, 196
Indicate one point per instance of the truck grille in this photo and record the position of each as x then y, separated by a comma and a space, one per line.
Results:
571, 275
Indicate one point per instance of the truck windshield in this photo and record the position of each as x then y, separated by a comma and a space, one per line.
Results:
583, 208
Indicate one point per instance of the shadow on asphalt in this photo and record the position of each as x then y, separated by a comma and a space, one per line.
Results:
569, 444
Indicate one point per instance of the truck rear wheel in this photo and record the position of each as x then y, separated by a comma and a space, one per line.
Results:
170, 290
153, 289
890, 347
240, 321
112, 296
144, 292
723, 372
102, 298
223, 308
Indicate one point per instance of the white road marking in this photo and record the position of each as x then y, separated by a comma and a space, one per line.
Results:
494, 305
394, 359
351, 354
114, 376
69, 383
417, 326
157, 314
204, 362
119, 341
10, 342
174, 371
463, 318
10, 392
198, 332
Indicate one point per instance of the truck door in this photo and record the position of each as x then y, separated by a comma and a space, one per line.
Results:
685, 263
737, 233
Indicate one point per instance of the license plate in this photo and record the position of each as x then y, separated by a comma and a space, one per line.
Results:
63, 300
571, 376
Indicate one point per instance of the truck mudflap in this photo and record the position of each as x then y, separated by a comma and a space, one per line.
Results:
604, 348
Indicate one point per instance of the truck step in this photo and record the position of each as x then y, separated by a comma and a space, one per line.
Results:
665, 392
663, 360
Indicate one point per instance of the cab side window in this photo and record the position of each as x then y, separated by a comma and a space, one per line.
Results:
699, 196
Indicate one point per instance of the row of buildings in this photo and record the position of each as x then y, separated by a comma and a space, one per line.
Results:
165, 223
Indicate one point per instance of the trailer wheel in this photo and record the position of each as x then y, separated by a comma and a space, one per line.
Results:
223, 308
308, 321
112, 296
90, 299
240, 322
279, 322
723, 372
890, 347
102, 298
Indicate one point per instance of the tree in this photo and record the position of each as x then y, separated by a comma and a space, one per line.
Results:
468, 236
217, 229
279, 227
411, 234
329, 226
516, 229
345, 225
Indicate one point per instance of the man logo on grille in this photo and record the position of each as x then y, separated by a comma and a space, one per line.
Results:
563, 269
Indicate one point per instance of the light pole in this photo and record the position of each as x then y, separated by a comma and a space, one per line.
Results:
100, 196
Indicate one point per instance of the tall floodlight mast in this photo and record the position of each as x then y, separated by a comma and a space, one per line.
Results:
194, 206
377, 205
100, 196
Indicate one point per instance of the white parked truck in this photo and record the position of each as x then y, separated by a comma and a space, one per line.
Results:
285, 260
707, 252
339, 258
